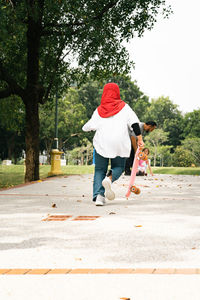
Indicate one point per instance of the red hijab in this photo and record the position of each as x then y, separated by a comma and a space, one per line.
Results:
111, 103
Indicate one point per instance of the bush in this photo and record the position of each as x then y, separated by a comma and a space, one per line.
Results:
182, 158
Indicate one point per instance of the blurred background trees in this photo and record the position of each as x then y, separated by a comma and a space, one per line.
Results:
176, 141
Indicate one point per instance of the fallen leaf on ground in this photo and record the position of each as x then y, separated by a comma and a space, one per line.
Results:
54, 205
112, 213
124, 298
138, 225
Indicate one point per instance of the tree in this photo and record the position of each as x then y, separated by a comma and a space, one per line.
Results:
182, 157
163, 152
168, 117
193, 146
12, 119
71, 115
155, 139
131, 94
40, 40
191, 124
90, 94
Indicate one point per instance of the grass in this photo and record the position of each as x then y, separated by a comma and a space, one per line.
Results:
14, 174
177, 170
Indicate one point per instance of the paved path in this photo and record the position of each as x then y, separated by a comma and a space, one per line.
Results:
154, 232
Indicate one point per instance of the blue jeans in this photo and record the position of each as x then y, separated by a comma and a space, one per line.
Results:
101, 167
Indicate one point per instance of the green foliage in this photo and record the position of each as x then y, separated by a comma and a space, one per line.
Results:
131, 94
188, 153
71, 118
47, 45
191, 124
90, 95
12, 121
193, 146
164, 155
12, 114
154, 140
167, 117
76, 108
156, 137
81, 155
182, 157
89, 32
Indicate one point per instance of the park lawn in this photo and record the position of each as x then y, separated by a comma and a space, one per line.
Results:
177, 170
14, 175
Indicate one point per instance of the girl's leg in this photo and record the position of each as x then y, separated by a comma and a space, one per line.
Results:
101, 166
117, 167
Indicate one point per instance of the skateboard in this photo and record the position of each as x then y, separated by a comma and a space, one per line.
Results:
132, 188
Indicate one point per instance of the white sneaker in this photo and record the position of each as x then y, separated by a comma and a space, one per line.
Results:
100, 200
110, 195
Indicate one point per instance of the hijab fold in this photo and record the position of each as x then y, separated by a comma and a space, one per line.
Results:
111, 103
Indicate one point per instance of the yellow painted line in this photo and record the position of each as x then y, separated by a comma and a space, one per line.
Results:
4, 271
159, 271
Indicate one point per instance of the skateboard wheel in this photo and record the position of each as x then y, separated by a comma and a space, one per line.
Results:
142, 155
135, 190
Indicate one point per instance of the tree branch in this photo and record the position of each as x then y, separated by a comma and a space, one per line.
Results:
99, 16
106, 8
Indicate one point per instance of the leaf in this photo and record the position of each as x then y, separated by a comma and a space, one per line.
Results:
54, 205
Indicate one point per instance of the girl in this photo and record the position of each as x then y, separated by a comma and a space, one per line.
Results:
143, 164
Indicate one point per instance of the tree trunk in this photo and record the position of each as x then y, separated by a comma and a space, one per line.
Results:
11, 146
32, 141
155, 156
48, 145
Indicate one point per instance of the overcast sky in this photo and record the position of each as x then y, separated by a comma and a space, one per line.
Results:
167, 59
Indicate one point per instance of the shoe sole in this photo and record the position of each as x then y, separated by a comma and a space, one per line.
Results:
110, 195
99, 204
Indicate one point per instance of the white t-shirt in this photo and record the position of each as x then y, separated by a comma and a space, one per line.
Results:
112, 136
